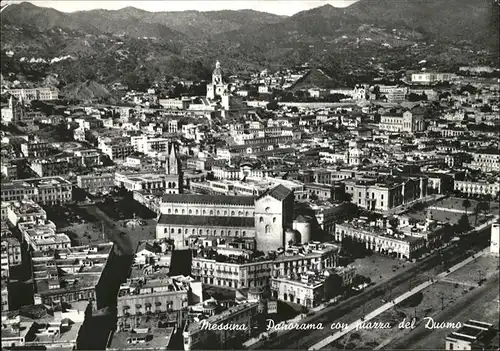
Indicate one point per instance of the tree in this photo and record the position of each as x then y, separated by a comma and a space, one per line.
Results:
273, 105
466, 204
463, 224
394, 222
477, 210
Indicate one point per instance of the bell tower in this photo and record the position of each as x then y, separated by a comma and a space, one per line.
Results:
217, 74
217, 87
173, 177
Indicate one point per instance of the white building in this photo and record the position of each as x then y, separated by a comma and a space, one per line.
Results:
495, 239
477, 187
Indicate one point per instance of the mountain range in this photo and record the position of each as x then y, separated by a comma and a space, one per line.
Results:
138, 46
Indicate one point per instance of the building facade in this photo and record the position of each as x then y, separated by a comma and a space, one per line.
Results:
400, 246
46, 190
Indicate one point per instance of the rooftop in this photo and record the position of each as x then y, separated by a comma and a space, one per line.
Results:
194, 327
35, 182
146, 339
279, 192
209, 199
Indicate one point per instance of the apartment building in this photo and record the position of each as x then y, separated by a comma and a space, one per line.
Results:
41, 94
117, 149
385, 194
232, 274
176, 104
393, 93
196, 335
310, 289
46, 190
36, 149
140, 181
431, 77
71, 274
87, 158
470, 187
486, 161
50, 167
398, 245
94, 183
4, 295
11, 252
150, 146
145, 292
42, 236
269, 140
9, 169
313, 256
25, 211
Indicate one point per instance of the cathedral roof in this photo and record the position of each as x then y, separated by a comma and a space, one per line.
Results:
279, 192
209, 199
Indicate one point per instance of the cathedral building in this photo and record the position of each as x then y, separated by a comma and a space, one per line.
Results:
260, 223
217, 88
173, 176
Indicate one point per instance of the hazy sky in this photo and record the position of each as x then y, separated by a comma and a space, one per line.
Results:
278, 7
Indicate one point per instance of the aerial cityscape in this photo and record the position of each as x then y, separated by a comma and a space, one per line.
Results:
245, 176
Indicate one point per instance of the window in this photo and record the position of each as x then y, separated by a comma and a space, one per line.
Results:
197, 212
274, 219
381, 196
169, 211
268, 229
190, 211
172, 230
261, 219
232, 213
211, 213
176, 211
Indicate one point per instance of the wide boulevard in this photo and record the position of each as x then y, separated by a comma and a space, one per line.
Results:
358, 306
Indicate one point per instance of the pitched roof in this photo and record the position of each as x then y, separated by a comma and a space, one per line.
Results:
279, 192
144, 245
207, 221
209, 199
